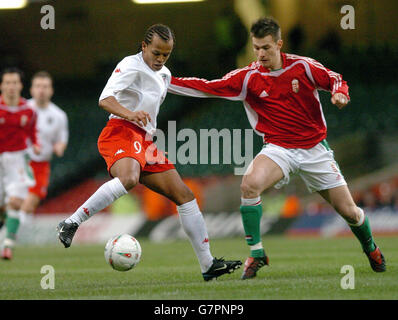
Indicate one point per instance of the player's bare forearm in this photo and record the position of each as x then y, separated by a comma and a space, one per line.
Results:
111, 105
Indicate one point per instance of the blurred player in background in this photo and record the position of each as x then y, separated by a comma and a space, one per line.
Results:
279, 92
52, 132
2, 215
17, 124
133, 95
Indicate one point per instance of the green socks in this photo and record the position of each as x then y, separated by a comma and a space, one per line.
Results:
12, 224
258, 253
364, 235
251, 211
251, 218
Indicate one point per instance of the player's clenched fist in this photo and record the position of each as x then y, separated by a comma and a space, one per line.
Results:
139, 117
340, 100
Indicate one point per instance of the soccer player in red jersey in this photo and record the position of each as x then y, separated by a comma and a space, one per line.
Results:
280, 95
17, 123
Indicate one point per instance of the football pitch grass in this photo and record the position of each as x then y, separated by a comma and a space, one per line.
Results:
299, 269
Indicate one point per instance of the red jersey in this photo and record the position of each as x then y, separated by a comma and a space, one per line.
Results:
17, 123
282, 105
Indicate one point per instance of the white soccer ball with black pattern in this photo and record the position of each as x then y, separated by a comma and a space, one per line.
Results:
122, 252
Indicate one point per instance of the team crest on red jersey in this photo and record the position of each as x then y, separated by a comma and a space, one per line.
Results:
24, 120
295, 86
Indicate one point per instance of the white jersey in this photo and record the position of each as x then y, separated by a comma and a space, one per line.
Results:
52, 127
138, 88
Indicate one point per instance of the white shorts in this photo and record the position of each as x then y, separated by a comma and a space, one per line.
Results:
316, 166
15, 175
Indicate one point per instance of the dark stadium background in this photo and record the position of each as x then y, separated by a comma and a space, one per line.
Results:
91, 36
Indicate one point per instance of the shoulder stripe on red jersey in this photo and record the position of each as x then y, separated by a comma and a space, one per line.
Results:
336, 76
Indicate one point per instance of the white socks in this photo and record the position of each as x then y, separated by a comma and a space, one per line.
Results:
250, 202
194, 226
12, 213
257, 246
190, 216
103, 197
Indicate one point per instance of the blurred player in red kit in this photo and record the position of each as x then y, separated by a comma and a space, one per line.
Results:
280, 95
17, 124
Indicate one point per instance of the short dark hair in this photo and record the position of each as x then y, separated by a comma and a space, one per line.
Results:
12, 70
163, 31
266, 26
42, 74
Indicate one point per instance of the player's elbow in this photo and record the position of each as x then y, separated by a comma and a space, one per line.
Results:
102, 104
107, 103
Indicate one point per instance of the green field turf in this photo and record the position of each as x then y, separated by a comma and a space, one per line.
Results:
299, 269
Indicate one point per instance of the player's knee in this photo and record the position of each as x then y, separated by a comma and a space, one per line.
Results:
129, 181
28, 207
351, 213
14, 203
249, 189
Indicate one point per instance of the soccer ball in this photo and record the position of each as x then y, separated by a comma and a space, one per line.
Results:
122, 252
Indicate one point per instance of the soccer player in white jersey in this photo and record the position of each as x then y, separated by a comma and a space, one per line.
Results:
279, 93
133, 95
53, 133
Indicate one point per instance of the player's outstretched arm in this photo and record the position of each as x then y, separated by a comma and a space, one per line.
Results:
111, 105
229, 87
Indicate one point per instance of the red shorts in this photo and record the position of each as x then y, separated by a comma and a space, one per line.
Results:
41, 172
122, 139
